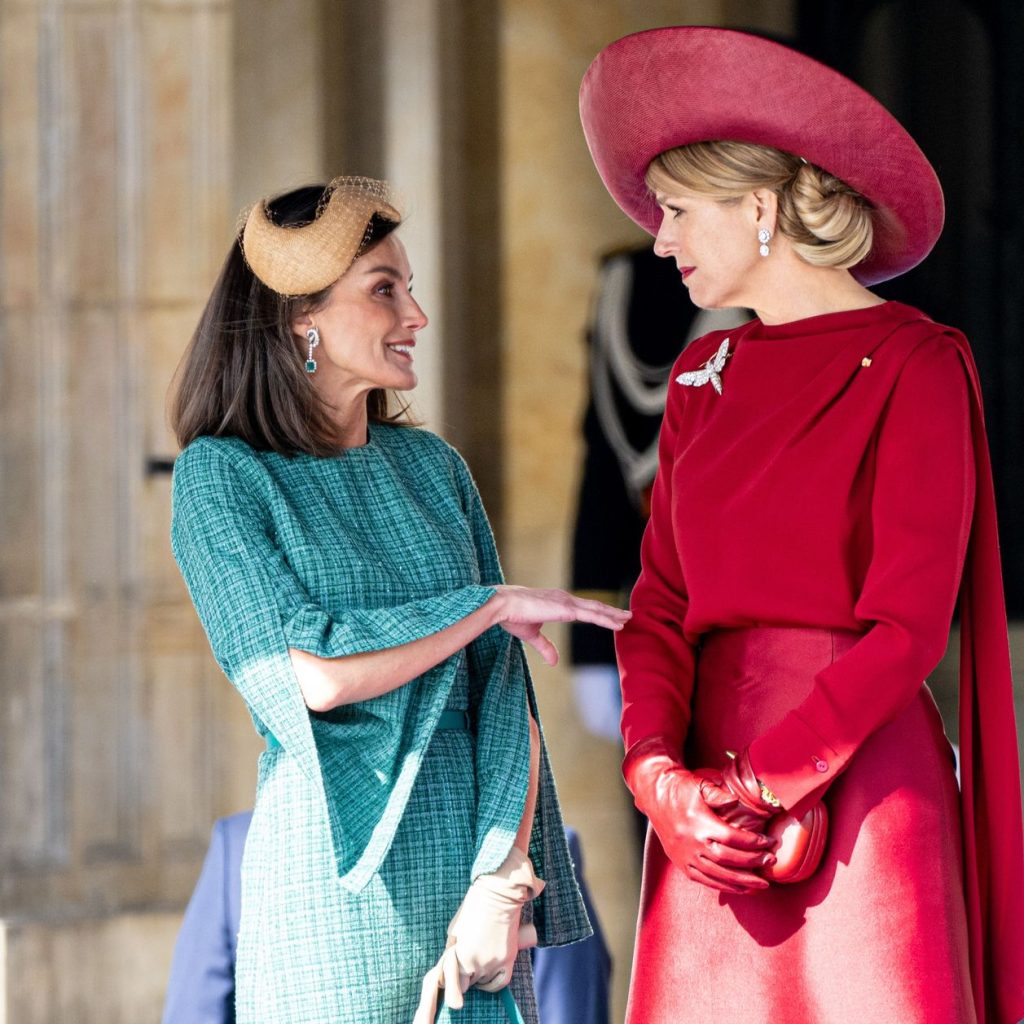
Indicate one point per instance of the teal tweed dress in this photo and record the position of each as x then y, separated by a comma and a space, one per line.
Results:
370, 821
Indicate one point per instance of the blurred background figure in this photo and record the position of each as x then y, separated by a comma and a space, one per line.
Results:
573, 982
642, 320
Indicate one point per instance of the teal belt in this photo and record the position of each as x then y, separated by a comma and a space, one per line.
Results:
450, 721
455, 721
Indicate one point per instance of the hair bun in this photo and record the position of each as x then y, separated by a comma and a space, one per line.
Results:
829, 223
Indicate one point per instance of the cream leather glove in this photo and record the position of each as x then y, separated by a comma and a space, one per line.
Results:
486, 927
484, 936
443, 975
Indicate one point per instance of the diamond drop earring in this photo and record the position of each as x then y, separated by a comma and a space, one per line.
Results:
313, 337
764, 236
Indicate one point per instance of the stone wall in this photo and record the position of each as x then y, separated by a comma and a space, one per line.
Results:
113, 212
111, 968
119, 742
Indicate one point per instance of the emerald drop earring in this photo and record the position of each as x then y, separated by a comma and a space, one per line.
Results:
313, 337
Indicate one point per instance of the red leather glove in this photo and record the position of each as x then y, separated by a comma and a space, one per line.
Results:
752, 810
799, 842
695, 837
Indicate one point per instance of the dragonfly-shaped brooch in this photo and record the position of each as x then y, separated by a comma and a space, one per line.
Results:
710, 372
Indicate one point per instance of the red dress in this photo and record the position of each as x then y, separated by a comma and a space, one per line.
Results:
809, 530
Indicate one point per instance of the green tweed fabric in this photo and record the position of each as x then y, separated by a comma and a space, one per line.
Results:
369, 822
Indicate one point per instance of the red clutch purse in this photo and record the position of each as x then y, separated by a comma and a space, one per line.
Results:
801, 842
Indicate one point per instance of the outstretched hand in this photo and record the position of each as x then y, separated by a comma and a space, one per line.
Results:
523, 611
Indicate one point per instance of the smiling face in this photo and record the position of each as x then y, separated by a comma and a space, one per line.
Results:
714, 245
367, 328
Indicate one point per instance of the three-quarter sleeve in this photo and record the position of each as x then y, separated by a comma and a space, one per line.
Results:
499, 695
920, 522
656, 660
249, 599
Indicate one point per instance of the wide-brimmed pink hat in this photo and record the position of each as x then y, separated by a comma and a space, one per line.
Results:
667, 87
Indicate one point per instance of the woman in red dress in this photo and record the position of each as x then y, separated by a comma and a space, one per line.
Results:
823, 496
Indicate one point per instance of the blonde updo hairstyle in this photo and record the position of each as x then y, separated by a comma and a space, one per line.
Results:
828, 223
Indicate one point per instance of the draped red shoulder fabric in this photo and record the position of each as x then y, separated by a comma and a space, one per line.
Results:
990, 781
989, 769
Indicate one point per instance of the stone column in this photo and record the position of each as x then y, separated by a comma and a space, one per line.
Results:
118, 738
133, 131
413, 143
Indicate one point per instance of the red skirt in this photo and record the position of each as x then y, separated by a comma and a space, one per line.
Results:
878, 934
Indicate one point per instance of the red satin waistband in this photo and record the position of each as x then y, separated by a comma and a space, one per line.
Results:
787, 642
748, 679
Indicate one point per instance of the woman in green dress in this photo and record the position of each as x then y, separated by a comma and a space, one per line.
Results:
345, 573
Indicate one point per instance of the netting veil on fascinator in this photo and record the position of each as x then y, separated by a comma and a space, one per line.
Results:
305, 258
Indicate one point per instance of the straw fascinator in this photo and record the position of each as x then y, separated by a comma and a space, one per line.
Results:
668, 87
305, 258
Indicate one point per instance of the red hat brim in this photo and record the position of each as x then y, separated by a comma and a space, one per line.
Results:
667, 87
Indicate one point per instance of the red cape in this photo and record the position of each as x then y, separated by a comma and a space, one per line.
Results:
989, 766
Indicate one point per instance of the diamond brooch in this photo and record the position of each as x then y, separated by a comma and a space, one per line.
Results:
710, 372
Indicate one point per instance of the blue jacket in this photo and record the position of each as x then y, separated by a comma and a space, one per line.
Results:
572, 982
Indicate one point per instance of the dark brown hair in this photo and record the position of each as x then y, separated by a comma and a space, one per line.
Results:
243, 373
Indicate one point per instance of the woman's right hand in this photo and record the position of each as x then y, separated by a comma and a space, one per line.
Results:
701, 844
523, 611
484, 936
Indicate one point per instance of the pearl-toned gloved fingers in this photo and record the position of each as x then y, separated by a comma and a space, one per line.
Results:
484, 936
443, 975
486, 927
448, 974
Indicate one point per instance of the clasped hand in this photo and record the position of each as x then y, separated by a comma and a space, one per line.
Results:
691, 812
523, 611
